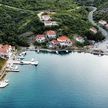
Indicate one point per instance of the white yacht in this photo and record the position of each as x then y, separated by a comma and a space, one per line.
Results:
57, 52
33, 62
24, 53
12, 68
21, 57
3, 83
67, 51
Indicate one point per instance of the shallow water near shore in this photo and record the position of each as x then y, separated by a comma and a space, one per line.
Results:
76, 80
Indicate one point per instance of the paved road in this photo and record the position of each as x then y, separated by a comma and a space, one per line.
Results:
91, 20
101, 45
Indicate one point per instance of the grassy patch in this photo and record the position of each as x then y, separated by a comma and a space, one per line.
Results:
2, 62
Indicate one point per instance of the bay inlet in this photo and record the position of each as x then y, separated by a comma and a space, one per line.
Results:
75, 80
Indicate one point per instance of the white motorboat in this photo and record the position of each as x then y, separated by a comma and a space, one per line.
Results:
67, 51
21, 57
7, 81
3, 83
12, 69
33, 62
57, 52
38, 51
24, 53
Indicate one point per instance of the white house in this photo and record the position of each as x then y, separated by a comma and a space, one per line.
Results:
93, 30
102, 22
50, 23
51, 34
64, 41
79, 39
40, 38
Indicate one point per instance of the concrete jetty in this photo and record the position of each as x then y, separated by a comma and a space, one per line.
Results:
25, 62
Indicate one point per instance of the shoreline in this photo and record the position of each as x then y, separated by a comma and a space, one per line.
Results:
54, 51
58, 51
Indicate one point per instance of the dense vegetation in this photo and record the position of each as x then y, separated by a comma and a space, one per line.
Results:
102, 6
91, 2
10, 21
102, 12
20, 16
40, 4
73, 21
2, 62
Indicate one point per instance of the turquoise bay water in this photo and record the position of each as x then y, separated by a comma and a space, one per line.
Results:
59, 81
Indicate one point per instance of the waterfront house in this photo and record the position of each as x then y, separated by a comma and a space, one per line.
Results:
40, 38
102, 22
53, 44
64, 41
93, 30
51, 34
5, 51
79, 39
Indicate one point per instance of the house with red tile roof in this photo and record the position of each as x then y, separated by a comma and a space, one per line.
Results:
5, 50
51, 34
53, 44
64, 41
40, 38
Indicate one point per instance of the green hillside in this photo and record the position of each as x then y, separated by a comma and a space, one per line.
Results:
102, 7
19, 16
102, 12
91, 2
40, 4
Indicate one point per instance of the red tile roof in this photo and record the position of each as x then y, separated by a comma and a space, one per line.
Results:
4, 48
40, 36
63, 38
54, 42
51, 32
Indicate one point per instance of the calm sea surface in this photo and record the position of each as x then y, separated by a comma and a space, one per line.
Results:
76, 80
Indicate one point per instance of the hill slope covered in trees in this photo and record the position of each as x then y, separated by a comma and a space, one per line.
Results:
102, 7
19, 16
